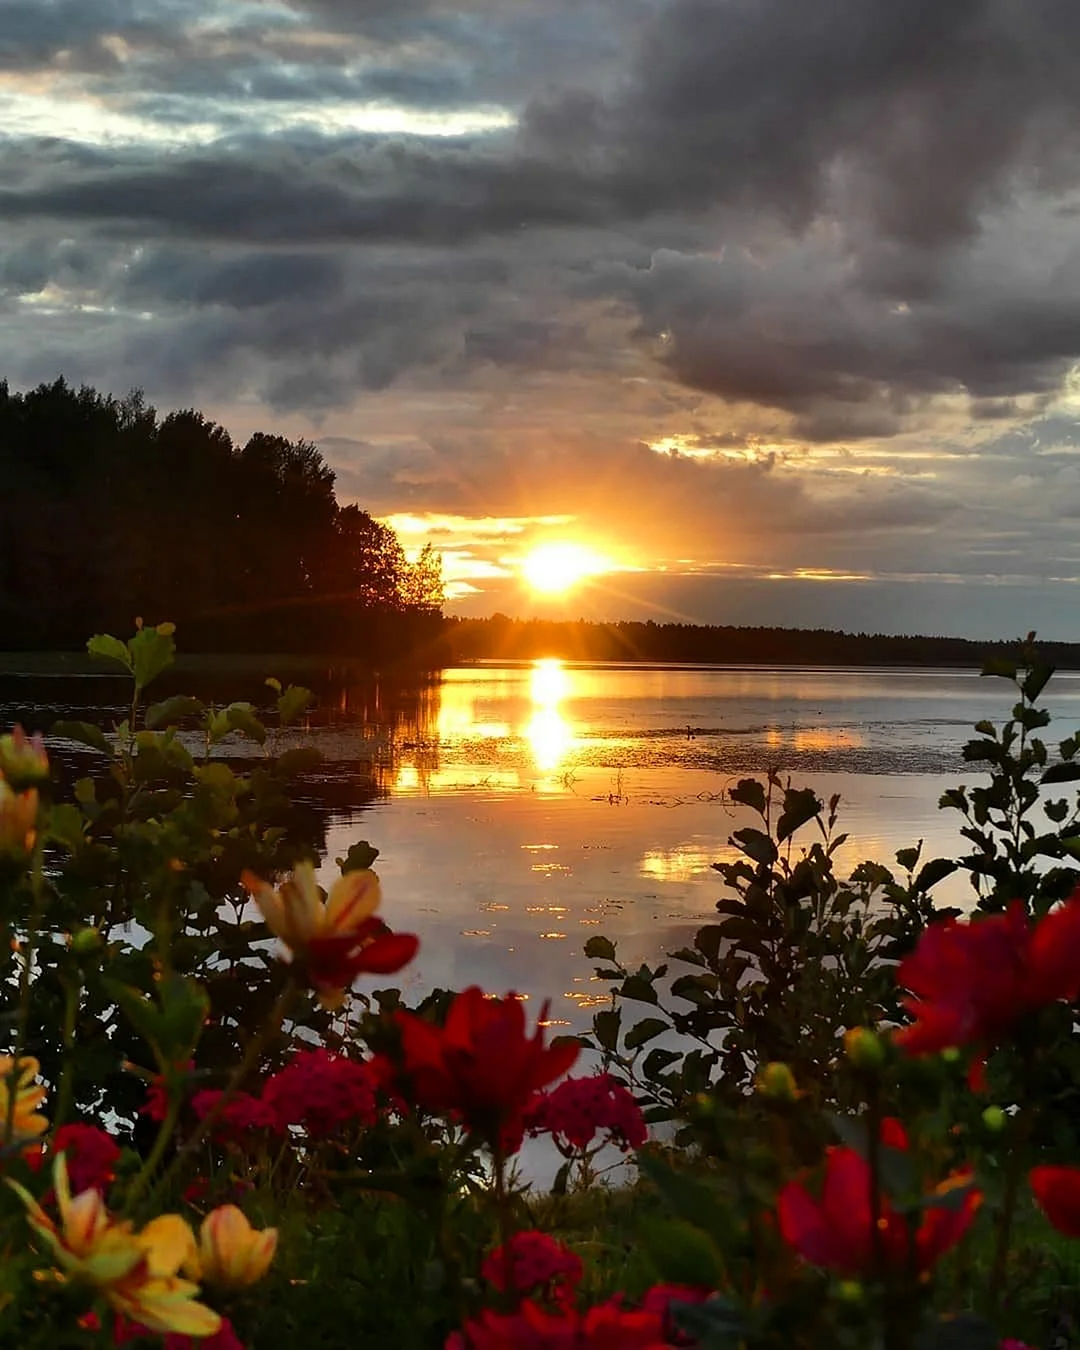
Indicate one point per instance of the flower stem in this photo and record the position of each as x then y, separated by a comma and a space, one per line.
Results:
199, 1135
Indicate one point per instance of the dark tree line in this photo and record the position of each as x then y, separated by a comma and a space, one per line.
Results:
506, 638
109, 511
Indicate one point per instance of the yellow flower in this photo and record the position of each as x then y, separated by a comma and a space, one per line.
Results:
18, 820
25, 1123
299, 915
136, 1272
230, 1252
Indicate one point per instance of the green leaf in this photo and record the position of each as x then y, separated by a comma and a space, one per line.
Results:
152, 651
108, 648
749, 792
657, 1060
600, 948
295, 700
1036, 680
241, 717
638, 988
1000, 666
1061, 773
756, 845
65, 826
359, 858
800, 806
173, 710
934, 871
643, 1032
85, 733
681, 1253
301, 759
606, 1028
688, 1196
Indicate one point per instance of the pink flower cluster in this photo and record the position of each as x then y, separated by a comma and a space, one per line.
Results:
537, 1265
318, 1091
579, 1109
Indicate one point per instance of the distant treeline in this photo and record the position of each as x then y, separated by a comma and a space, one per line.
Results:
510, 639
108, 511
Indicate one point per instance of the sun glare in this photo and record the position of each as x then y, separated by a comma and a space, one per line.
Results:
553, 568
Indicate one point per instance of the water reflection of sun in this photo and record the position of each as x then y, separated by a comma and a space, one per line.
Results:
549, 734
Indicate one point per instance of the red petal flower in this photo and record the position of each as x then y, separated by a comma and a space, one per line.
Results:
481, 1064
836, 1232
332, 963
1057, 1189
974, 981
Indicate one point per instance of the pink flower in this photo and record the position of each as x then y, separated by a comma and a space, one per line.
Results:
322, 1092
537, 1264
243, 1116
579, 1109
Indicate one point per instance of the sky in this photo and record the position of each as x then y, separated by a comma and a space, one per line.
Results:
761, 311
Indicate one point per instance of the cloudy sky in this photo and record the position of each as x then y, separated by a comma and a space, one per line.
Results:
774, 306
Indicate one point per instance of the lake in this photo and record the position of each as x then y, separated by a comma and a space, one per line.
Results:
519, 809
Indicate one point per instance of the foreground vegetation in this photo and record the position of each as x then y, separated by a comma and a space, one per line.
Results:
853, 1114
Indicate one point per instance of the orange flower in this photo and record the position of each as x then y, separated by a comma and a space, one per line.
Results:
135, 1271
18, 820
230, 1252
25, 1122
332, 938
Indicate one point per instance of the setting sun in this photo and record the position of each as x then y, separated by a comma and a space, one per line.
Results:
556, 567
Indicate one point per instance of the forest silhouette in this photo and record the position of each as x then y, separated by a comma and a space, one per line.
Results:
110, 511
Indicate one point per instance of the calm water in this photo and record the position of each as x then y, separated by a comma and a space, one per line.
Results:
521, 809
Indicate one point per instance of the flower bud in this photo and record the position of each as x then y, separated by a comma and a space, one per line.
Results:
951, 1054
86, 941
230, 1252
865, 1048
995, 1119
18, 821
850, 1291
23, 761
777, 1083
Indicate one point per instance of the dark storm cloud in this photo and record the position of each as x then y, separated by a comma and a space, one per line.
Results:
845, 211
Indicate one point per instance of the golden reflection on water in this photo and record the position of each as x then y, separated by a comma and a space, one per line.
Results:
506, 719
548, 733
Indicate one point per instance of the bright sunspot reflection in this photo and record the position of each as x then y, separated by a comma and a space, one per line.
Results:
549, 734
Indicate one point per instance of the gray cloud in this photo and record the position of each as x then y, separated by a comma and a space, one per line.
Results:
758, 222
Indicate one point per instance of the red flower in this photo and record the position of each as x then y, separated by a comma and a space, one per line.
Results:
580, 1108
92, 1155
607, 1327
537, 1263
160, 1089
322, 1092
1057, 1189
836, 1231
225, 1338
243, 1117
659, 1300
974, 981
481, 1065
